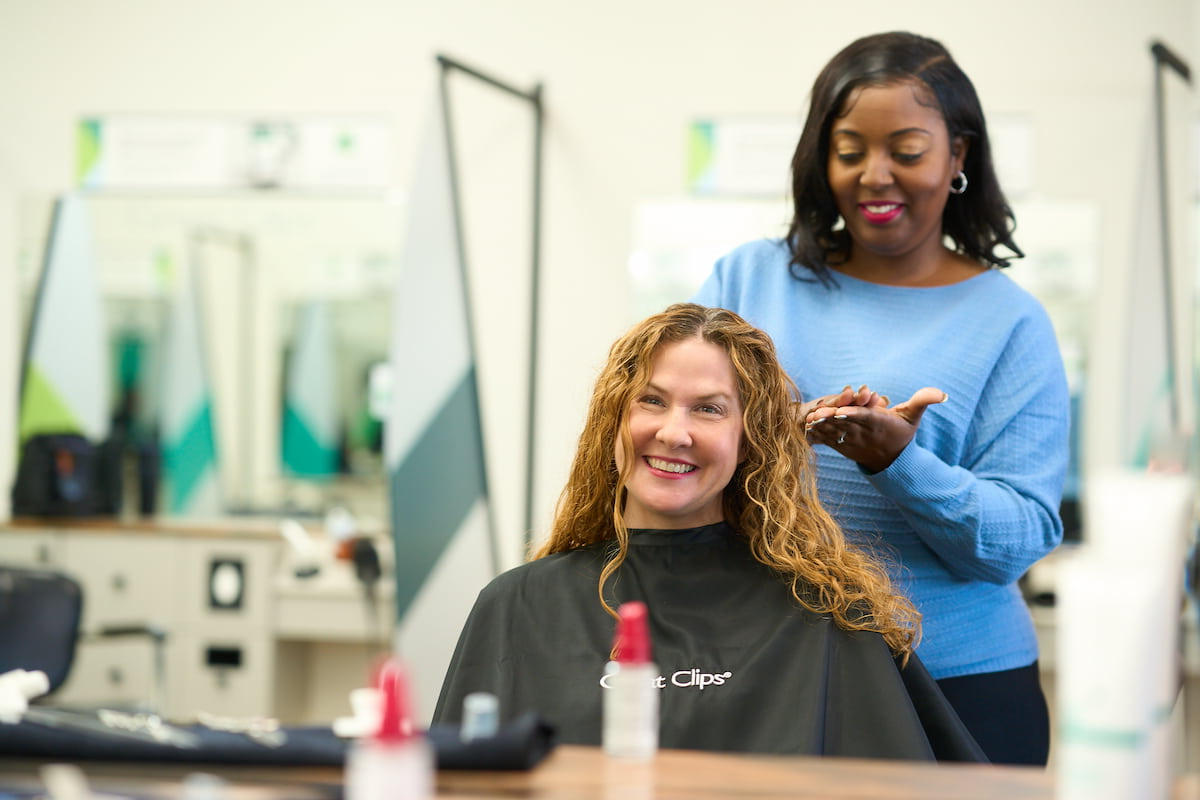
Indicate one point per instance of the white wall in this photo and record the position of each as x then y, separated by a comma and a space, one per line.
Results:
622, 80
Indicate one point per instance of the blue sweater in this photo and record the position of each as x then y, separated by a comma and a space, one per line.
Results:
972, 502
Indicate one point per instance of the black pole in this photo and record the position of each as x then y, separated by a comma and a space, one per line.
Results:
460, 242
535, 98
534, 310
1163, 57
448, 63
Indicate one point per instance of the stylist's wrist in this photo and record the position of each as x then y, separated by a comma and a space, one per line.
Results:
874, 467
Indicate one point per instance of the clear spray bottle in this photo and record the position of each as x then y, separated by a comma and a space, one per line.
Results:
630, 729
396, 763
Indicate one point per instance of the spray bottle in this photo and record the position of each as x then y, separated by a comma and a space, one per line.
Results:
631, 698
396, 763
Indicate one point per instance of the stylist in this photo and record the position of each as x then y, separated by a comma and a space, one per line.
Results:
934, 382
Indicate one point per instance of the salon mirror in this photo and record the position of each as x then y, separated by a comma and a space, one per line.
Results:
275, 275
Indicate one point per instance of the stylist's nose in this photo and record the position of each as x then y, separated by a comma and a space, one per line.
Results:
675, 430
877, 171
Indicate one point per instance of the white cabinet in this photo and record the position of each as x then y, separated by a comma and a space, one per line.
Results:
127, 579
30, 549
214, 658
117, 673
244, 637
224, 662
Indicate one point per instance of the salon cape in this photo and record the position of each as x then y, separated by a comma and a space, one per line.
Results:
741, 666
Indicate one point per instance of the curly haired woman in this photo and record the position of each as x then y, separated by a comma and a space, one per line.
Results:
692, 490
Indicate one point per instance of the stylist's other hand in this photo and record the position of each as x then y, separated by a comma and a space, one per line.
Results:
914, 408
869, 433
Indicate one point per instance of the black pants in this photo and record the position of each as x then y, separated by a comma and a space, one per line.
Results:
1005, 712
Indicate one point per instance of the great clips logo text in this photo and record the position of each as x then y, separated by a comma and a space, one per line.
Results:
684, 679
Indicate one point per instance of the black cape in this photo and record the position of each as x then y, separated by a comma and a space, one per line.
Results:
742, 666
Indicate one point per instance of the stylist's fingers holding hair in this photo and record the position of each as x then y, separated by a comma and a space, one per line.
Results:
874, 436
828, 405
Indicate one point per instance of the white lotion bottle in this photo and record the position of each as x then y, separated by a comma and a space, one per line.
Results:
630, 726
396, 763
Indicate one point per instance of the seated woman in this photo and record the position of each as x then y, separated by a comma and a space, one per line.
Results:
692, 490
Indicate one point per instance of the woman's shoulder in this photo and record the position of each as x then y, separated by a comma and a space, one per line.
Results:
757, 253
1006, 296
744, 275
1002, 280
550, 569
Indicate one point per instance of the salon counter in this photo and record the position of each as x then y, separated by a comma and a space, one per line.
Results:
584, 773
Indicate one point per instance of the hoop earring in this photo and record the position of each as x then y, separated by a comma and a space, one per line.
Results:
961, 177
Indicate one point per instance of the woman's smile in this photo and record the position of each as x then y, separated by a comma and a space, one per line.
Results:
878, 213
670, 466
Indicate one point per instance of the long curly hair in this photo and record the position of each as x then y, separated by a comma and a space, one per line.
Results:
978, 221
771, 500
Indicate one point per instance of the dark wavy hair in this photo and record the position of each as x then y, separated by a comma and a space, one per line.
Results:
977, 221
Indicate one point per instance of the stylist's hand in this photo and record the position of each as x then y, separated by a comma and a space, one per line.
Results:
865, 429
863, 396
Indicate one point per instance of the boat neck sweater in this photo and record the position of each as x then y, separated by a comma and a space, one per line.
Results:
972, 502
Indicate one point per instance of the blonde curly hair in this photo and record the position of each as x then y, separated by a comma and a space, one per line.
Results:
771, 500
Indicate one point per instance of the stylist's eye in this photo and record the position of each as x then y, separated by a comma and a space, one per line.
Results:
908, 158
848, 157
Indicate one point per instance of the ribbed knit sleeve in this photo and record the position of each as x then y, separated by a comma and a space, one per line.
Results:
994, 512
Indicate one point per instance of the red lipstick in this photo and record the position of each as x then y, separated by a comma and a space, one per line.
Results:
880, 213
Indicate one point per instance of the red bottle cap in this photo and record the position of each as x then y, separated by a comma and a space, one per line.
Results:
632, 642
395, 701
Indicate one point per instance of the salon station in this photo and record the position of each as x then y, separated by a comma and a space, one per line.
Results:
301, 307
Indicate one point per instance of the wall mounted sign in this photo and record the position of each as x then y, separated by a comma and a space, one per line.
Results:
198, 152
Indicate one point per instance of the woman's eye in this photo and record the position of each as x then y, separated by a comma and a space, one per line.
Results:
707, 409
848, 158
650, 400
908, 158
